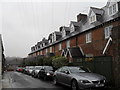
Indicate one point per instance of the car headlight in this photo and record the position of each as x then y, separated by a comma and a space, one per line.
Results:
85, 81
48, 74
104, 81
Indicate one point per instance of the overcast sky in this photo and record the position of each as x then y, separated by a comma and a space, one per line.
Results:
25, 22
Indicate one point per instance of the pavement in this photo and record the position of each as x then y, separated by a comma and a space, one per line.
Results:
5, 82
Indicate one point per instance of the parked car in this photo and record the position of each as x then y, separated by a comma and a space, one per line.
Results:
19, 69
78, 77
28, 70
31, 68
36, 71
46, 72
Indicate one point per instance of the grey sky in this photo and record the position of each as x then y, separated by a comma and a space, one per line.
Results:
25, 22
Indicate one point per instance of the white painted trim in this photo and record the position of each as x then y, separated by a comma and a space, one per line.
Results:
82, 51
110, 39
66, 53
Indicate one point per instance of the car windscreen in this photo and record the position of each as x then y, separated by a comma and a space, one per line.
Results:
31, 68
38, 67
78, 69
48, 68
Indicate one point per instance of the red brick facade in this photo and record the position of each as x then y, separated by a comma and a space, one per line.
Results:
97, 45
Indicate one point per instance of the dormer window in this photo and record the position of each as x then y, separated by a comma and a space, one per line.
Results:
72, 28
113, 9
38, 47
92, 19
43, 44
63, 32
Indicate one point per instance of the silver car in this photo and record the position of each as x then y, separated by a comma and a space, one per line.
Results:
36, 71
78, 78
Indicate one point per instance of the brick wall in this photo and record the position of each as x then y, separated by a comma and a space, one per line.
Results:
116, 55
73, 42
95, 47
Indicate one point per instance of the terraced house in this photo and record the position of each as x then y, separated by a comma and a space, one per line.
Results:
89, 36
93, 35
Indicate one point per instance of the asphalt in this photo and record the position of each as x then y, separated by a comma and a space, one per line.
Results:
16, 81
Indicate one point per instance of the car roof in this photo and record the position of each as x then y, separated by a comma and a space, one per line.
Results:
72, 66
38, 66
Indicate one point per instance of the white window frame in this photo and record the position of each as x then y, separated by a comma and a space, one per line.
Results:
40, 52
72, 28
46, 50
107, 31
89, 37
63, 32
67, 43
50, 49
60, 46
92, 18
113, 9
43, 44
54, 35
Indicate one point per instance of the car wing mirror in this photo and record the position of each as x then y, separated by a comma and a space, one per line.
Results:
42, 69
67, 72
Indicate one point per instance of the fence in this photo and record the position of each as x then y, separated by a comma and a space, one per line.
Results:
101, 65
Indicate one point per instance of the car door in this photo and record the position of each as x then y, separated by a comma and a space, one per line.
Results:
42, 72
64, 78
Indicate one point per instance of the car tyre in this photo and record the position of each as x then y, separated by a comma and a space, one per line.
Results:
74, 85
45, 78
55, 81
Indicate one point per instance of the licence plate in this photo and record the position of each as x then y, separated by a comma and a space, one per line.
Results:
100, 85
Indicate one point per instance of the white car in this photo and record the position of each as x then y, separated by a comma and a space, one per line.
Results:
36, 71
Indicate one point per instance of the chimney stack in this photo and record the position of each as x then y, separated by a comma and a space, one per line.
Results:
81, 16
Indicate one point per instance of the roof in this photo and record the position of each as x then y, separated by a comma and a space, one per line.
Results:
97, 10
67, 28
75, 23
44, 40
39, 43
87, 26
58, 33
63, 52
75, 52
50, 36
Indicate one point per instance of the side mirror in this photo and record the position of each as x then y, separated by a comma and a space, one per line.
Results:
42, 69
67, 72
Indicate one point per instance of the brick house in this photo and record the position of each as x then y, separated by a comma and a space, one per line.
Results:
91, 33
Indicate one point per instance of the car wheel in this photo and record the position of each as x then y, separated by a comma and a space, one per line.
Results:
55, 81
45, 78
74, 85
38, 76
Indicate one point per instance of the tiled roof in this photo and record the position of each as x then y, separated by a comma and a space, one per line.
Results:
75, 52
97, 10
66, 28
75, 23
86, 25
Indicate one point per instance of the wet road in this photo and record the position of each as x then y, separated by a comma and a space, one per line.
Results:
20, 80
25, 82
